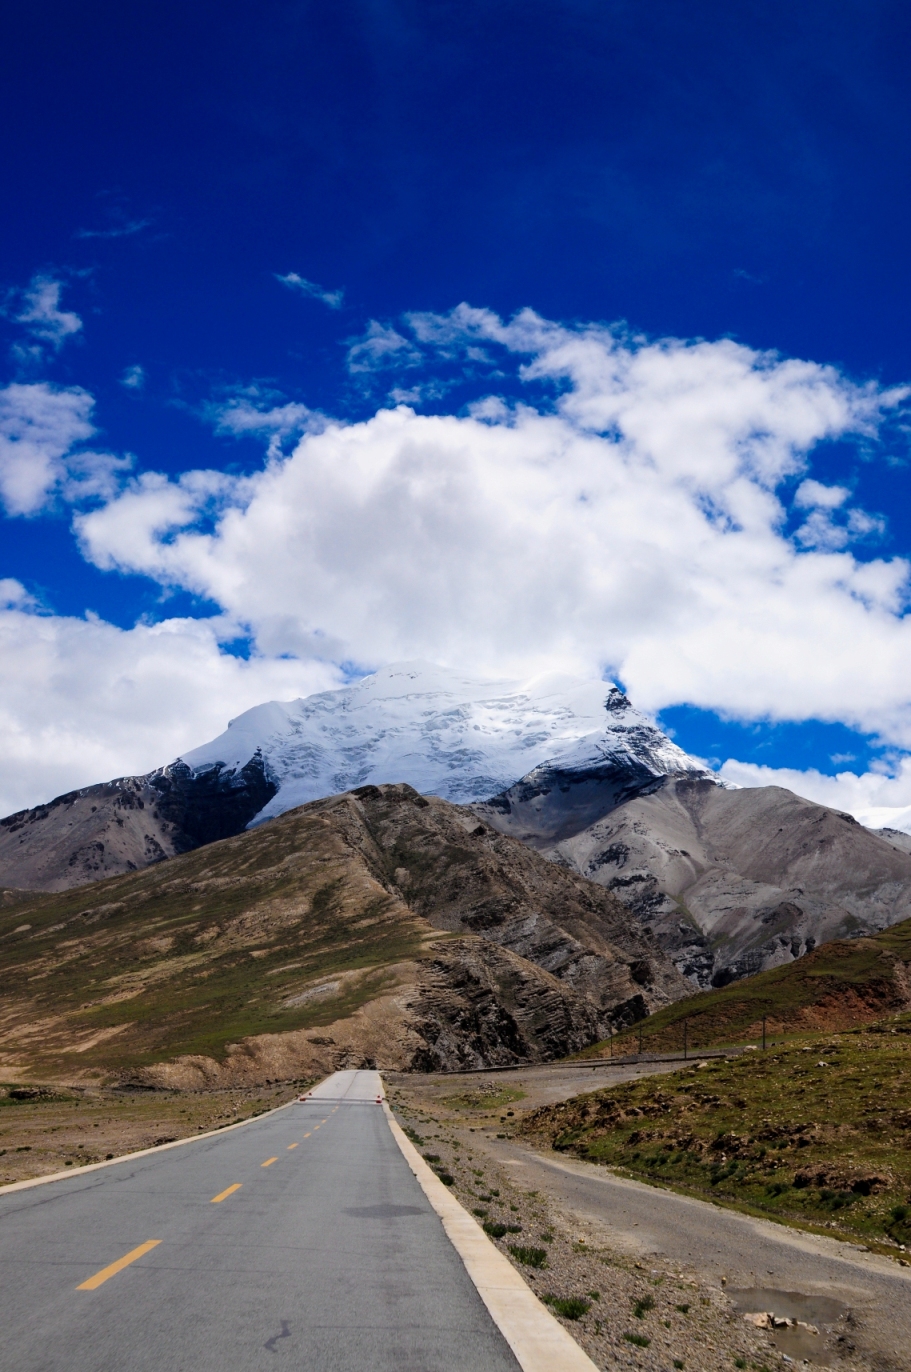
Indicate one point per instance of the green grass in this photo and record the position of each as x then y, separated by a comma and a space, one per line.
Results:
837, 986
570, 1307
204, 950
531, 1257
775, 1133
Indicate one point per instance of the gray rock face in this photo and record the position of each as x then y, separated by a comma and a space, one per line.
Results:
729, 881
120, 826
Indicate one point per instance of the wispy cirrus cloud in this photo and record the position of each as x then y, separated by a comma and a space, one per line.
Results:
294, 282
126, 229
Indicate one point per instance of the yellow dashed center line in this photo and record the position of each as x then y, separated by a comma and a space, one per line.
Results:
223, 1195
292, 1145
268, 1162
118, 1266
306, 1136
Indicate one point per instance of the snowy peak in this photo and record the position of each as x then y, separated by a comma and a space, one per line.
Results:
445, 733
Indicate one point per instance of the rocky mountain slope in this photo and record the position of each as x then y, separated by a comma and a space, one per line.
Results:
372, 926
124, 825
729, 881
442, 732
838, 986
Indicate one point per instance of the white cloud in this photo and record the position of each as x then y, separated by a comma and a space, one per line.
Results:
134, 378
382, 346
265, 414
334, 299
14, 596
821, 529
878, 799
40, 428
125, 229
633, 522
82, 701
813, 495
41, 313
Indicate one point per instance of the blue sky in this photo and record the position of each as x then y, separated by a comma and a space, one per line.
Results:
251, 211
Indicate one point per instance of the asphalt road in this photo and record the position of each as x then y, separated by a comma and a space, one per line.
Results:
749, 1253
301, 1240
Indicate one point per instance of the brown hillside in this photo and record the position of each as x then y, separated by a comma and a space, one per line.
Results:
375, 926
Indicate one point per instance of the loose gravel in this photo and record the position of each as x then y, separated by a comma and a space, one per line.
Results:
651, 1316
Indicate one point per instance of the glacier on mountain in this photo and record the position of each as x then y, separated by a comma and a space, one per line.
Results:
441, 731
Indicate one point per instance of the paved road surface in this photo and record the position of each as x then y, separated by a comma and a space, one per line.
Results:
326, 1255
749, 1252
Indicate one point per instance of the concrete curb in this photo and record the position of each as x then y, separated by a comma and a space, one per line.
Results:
140, 1153
539, 1342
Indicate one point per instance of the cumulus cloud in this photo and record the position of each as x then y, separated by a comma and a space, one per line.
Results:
822, 528
41, 428
879, 799
83, 701
334, 299
627, 516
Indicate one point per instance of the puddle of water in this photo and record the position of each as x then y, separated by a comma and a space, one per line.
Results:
799, 1344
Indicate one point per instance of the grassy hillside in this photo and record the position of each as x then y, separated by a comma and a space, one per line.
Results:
817, 1133
399, 927
839, 985
267, 932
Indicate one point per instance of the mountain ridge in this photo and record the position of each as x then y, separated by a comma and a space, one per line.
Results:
439, 730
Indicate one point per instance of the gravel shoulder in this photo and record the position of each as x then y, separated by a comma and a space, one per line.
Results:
662, 1280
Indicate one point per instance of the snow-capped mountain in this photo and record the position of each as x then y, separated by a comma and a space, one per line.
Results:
444, 733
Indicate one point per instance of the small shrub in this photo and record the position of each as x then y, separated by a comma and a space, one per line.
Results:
678, 1363
740, 1362
684, 1309
446, 1178
531, 1257
494, 1229
639, 1340
481, 1214
513, 1228
642, 1306
431, 1157
570, 1307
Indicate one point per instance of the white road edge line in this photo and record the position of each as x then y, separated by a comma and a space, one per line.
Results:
538, 1340
144, 1152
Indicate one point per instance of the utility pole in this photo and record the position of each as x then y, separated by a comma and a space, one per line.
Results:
686, 1025
640, 1038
